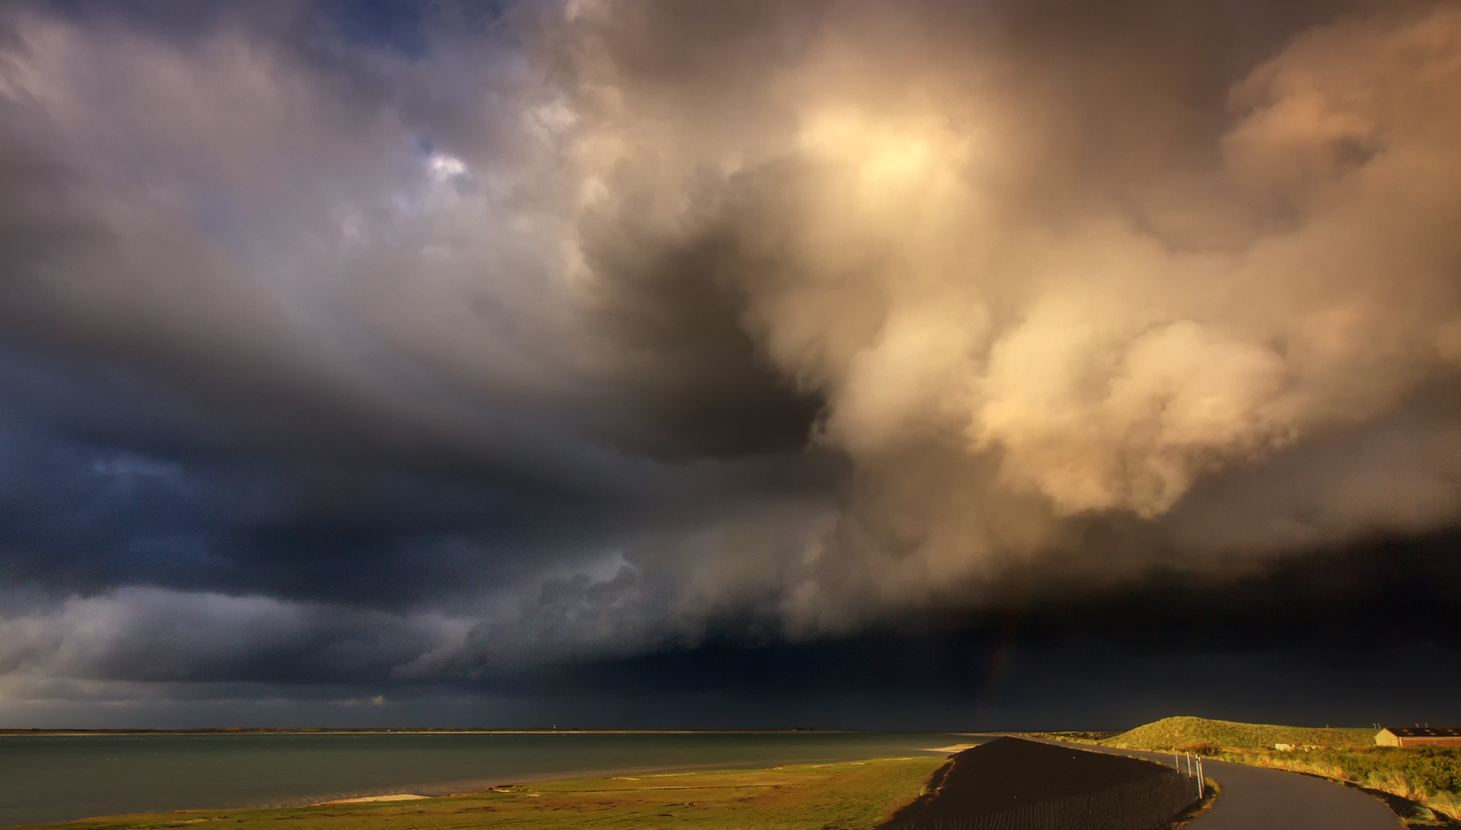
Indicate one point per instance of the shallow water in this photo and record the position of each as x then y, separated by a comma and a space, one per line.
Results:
60, 778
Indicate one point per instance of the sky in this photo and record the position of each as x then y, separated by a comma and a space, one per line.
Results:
940, 365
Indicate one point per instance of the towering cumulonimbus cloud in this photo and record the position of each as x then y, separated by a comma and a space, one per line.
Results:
600, 328
1039, 275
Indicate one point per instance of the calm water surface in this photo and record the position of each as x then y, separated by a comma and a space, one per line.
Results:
60, 778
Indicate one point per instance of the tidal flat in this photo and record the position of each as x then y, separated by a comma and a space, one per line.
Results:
55, 778
855, 794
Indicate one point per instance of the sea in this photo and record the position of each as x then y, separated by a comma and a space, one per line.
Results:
56, 778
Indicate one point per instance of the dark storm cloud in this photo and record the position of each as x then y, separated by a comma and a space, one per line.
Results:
168, 306
96, 495
147, 635
470, 343
1321, 637
1047, 268
701, 382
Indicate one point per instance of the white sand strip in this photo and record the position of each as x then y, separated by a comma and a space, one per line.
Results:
395, 797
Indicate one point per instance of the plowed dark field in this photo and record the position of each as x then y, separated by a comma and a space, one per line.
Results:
1009, 772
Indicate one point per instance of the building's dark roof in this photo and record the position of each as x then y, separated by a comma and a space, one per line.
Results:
1425, 731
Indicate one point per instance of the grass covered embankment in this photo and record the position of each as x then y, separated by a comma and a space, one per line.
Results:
1429, 776
1189, 734
845, 795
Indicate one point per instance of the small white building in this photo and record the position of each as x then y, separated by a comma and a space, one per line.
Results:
1419, 736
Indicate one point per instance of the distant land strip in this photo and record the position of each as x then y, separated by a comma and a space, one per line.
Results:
271, 730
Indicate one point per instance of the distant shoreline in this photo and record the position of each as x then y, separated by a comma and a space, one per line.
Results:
407, 731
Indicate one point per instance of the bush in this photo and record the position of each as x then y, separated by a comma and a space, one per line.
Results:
1448, 803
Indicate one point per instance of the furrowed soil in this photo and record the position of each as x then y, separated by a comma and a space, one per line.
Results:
1008, 772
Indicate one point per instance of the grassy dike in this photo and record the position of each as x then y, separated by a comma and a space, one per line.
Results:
1425, 782
848, 795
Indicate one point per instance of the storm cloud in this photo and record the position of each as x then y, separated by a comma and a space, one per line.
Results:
402, 349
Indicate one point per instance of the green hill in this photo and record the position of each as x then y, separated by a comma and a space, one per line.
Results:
1169, 733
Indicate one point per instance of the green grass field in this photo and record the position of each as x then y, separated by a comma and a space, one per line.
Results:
811, 797
1174, 733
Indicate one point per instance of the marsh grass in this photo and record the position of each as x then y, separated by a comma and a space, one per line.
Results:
1448, 803
1391, 782
840, 796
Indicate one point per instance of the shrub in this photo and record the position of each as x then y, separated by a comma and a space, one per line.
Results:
1447, 802
1393, 782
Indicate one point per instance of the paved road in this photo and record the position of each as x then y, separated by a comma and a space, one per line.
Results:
1254, 798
